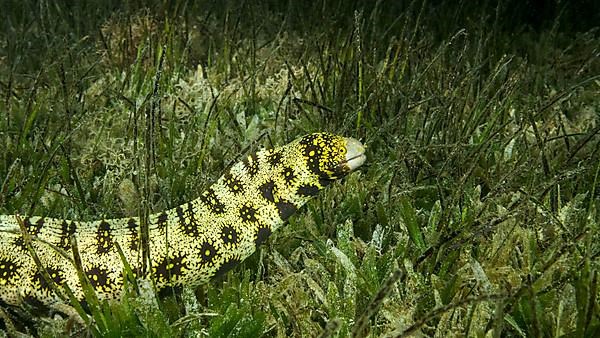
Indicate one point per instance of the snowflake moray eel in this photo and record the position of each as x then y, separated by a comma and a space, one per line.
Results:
188, 244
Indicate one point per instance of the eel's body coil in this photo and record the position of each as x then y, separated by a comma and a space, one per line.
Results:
188, 244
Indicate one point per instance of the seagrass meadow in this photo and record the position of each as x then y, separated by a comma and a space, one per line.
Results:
476, 213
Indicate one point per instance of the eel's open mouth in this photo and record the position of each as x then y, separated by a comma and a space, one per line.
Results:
355, 153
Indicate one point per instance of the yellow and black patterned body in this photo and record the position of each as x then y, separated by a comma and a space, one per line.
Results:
190, 243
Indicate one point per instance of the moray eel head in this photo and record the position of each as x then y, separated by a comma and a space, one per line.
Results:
331, 156
355, 153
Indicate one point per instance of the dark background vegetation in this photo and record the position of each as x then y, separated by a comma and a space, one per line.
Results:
476, 213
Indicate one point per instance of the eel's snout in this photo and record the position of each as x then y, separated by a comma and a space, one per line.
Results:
355, 153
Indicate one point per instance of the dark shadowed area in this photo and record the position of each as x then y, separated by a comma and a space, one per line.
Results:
475, 214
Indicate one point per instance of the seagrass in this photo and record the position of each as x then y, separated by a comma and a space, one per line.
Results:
190, 243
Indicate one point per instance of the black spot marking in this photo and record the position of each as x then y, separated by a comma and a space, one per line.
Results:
233, 184
19, 242
323, 155
308, 139
207, 253
226, 266
133, 233
56, 275
33, 228
161, 220
98, 277
275, 158
180, 215
261, 235
190, 226
251, 165
313, 154
289, 176
8, 270
313, 165
210, 199
312, 151
67, 230
286, 209
266, 190
169, 268
103, 238
248, 213
325, 182
308, 190
229, 235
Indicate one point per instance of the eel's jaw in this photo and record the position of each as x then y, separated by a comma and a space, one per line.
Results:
355, 153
